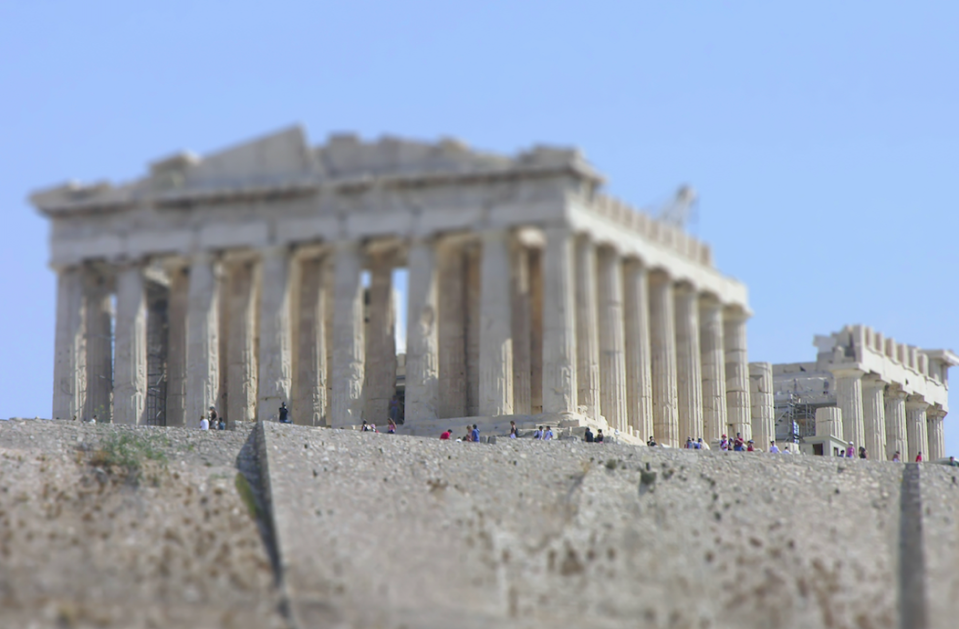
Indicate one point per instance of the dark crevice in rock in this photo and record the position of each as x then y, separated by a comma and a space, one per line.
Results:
912, 568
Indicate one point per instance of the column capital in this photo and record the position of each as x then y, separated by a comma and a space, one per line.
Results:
735, 313
916, 403
935, 411
895, 392
684, 287
873, 381
847, 372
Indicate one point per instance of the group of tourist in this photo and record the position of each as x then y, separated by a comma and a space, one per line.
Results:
213, 422
371, 427
472, 435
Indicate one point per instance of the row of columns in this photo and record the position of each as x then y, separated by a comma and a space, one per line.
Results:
885, 419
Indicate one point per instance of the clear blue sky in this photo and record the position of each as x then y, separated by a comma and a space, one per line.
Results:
821, 135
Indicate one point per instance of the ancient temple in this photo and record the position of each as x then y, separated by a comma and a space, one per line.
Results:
235, 280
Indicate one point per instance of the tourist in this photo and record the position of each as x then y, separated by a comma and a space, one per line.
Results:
773, 448
213, 421
204, 423
749, 446
952, 462
391, 427
896, 457
724, 444
474, 434
221, 423
919, 457
284, 414
651, 442
786, 450
538, 433
738, 443
701, 445
364, 427
689, 443
862, 452
446, 434
851, 451
599, 436
588, 435
513, 430
548, 434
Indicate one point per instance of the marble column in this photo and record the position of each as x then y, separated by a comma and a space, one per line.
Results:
587, 330
829, 422
521, 329
663, 352
916, 427
99, 346
874, 417
689, 375
422, 336
559, 323
496, 334
202, 339
612, 341
896, 433
130, 348
712, 358
275, 380
69, 366
738, 408
536, 331
639, 369
241, 343
348, 345
935, 434
451, 327
380, 378
763, 411
471, 311
176, 345
309, 399
849, 399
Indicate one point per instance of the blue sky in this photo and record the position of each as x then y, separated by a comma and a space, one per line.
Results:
821, 136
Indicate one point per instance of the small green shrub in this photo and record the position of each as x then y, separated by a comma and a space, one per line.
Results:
128, 453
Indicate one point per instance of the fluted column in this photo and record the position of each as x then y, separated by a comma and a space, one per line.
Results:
935, 433
663, 352
849, 399
612, 343
309, 399
738, 411
99, 346
496, 335
896, 433
559, 323
639, 369
829, 422
521, 329
689, 375
176, 345
202, 338
713, 363
241, 342
275, 379
587, 329
451, 327
380, 379
348, 348
422, 335
69, 366
874, 417
916, 427
762, 401
130, 348
536, 331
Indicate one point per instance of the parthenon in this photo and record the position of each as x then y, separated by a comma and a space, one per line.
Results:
235, 280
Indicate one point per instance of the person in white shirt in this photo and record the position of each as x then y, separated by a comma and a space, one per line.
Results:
786, 450
548, 434
204, 423
773, 448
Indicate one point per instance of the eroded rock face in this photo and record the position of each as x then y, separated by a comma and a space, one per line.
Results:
83, 545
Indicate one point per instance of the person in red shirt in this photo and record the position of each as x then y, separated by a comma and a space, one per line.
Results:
919, 458
445, 436
749, 446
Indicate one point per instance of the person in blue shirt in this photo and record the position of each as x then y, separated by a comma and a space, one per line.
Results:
474, 435
548, 434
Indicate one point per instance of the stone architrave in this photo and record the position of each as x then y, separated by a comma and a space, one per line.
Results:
275, 381
663, 351
422, 335
130, 347
69, 370
639, 369
916, 427
587, 329
241, 343
738, 407
849, 399
451, 329
713, 362
763, 404
348, 344
496, 334
874, 417
935, 434
612, 342
896, 434
310, 396
176, 345
380, 379
521, 329
202, 339
559, 323
689, 375
99, 346
829, 422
